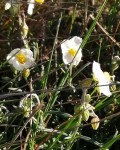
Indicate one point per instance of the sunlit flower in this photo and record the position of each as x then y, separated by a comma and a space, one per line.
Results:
21, 58
103, 81
13, 5
95, 122
7, 5
71, 50
32, 5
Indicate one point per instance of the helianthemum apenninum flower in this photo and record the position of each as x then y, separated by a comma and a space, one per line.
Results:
7, 5
100, 77
13, 5
71, 51
21, 59
32, 5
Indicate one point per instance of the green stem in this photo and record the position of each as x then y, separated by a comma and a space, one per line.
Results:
70, 79
75, 133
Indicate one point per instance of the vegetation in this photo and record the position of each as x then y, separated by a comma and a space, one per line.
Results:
59, 75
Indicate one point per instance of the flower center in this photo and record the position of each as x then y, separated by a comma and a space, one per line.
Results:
72, 52
39, 1
21, 58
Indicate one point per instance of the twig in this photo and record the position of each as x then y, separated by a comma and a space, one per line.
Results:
110, 37
27, 121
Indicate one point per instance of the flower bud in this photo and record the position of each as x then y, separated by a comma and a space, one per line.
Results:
87, 98
113, 87
77, 109
26, 111
26, 73
86, 115
95, 123
24, 30
115, 63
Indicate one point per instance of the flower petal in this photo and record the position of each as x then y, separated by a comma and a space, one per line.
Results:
29, 63
78, 56
75, 42
17, 66
102, 80
104, 88
72, 44
29, 52
67, 59
31, 7
65, 47
97, 70
7, 5
13, 52
13, 59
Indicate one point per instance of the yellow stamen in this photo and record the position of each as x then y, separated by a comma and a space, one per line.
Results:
21, 58
40, 1
72, 52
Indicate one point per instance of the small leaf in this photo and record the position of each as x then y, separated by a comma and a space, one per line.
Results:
115, 63
86, 83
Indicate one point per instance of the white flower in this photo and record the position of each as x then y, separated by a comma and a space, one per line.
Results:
7, 5
21, 58
71, 51
31, 6
102, 79
13, 5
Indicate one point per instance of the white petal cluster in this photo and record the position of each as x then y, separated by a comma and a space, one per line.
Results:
11, 3
7, 5
21, 59
31, 6
102, 79
71, 51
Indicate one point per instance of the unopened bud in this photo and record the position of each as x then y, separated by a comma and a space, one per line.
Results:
24, 30
26, 111
86, 115
113, 87
26, 73
7, 5
115, 62
77, 109
87, 98
95, 123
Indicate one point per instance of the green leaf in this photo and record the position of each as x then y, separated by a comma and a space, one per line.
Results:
108, 144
